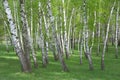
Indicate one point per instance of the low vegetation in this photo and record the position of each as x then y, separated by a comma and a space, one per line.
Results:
10, 67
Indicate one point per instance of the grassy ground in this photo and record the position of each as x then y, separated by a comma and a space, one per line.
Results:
10, 68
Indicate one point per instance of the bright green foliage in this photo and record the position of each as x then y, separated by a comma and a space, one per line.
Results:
99, 6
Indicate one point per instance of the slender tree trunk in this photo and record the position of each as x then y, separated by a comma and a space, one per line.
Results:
56, 39
98, 37
106, 38
47, 35
112, 30
116, 32
42, 38
87, 53
61, 31
93, 34
80, 46
69, 29
31, 39
92, 42
15, 39
73, 35
65, 32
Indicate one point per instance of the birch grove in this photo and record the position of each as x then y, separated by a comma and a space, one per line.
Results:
44, 30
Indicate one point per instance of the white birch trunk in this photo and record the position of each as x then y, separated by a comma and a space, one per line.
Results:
106, 38
42, 37
56, 39
69, 29
116, 32
99, 25
30, 33
25, 32
61, 31
65, 32
80, 46
15, 39
87, 53
47, 34
93, 34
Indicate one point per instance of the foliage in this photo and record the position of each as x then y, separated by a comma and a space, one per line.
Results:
100, 6
53, 71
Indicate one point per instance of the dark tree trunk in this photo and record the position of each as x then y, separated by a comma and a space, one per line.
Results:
118, 42
102, 64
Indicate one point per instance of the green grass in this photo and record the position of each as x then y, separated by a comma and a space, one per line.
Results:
10, 68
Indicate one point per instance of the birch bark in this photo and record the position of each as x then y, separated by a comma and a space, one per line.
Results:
56, 39
98, 47
65, 32
31, 40
47, 35
25, 32
87, 51
42, 37
106, 38
15, 39
116, 32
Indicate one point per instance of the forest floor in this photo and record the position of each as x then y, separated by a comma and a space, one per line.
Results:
10, 68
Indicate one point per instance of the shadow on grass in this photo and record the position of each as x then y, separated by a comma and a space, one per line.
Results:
10, 69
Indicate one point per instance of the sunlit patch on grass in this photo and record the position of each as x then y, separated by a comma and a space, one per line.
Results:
9, 57
10, 68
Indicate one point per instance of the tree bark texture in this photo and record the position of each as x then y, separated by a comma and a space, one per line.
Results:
87, 51
56, 39
15, 39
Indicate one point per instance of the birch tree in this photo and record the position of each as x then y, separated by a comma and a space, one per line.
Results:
31, 39
25, 63
116, 31
44, 60
65, 32
106, 38
87, 50
56, 39
99, 30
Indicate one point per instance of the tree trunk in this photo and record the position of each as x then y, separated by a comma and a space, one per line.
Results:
31, 38
69, 29
15, 39
61, 31
87, 51
98, 37
80, 46
42, 37
106, 38
56, 39
65, 32
116, 33
47, 35
25, 32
